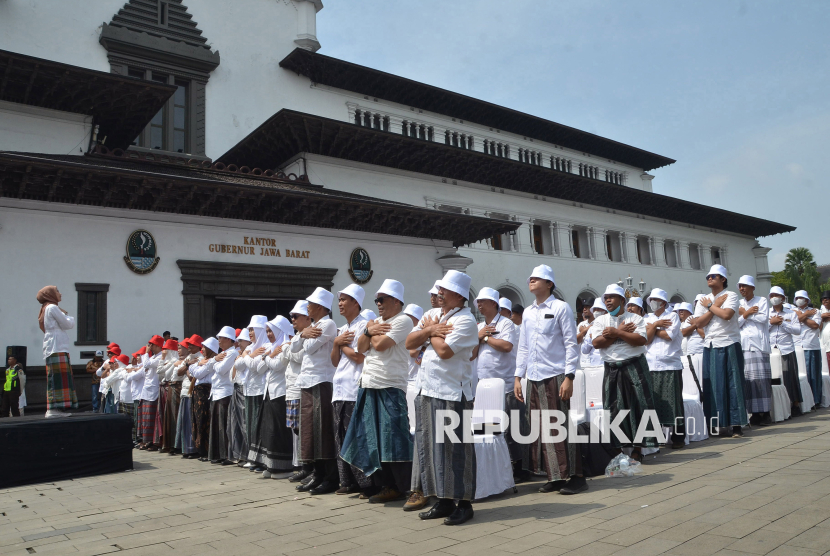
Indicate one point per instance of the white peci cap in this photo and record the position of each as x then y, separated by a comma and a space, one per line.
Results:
258, 321
598, 304
777, 290
657, 293
802, 293
613, 289
244, 335
434, 290
542, 271
300, 308
282, 325
368, 314
212, 344
684, 307
638, 301
717, 269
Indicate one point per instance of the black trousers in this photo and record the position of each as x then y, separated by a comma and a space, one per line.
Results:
10, 402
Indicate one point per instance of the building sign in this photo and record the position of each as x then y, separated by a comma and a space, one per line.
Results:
360, 266
259, 247
141, 252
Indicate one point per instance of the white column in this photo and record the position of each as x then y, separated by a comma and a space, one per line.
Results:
705, 257
683, 256
307, 24
631, 248
646, 181
592, 251
658, 250
600, 245
563, 240
763, 278
651, 250
554, 243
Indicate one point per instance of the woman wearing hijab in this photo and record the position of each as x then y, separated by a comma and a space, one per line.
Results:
54, 322
237, 435
273, 447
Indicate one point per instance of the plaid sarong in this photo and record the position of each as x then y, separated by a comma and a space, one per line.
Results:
60, 388
668, 399
292, 414
627, 385
758, 374
560, 460
724, 386
317, 423
128, 408
147, 411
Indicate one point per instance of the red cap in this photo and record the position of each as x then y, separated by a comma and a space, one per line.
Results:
171, 344
184, 343
238, 332
142, 351
112, 345
157, 341
123, 358
112, 359
195, 340
115, 350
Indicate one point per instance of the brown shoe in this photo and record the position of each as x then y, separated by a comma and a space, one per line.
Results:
347, 490
387, 495
417, 501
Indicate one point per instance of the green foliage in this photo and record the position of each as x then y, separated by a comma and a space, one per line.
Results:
800, 273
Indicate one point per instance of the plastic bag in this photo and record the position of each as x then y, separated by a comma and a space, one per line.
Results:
623, 466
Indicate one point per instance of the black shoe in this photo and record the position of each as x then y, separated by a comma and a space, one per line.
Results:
522, 477
767, 420
203, 459
324, 488
299, 476
463, 513
227, 462
310, 485
256, 469
737, 432
311, 477
552, 486
241, 463
574, 486
442, 508
216, 461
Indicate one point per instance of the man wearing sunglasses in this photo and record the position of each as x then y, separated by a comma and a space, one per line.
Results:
378, 441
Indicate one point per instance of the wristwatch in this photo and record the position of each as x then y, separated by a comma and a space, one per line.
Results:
366, 332
486, 338
571, 375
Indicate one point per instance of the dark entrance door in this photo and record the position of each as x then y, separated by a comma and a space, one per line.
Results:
237, 313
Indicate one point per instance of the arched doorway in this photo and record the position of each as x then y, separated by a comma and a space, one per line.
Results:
584, 299
512, 294
677, 298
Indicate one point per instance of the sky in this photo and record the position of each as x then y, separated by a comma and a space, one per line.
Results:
738, 92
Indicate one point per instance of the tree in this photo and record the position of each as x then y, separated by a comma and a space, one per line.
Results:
800, 273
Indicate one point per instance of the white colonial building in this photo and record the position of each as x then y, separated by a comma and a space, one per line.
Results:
218, 129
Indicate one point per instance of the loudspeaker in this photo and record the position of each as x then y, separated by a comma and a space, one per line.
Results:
19, 353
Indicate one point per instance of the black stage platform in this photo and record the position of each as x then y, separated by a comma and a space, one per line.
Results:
36, 449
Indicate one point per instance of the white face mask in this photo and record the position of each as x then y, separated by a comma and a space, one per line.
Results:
776, 300
598, 313
655, 305
801, 302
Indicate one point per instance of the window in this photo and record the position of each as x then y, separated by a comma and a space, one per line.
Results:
92, 314
670, 252
643, 250
163, 13
575, 241
716, 258
495, 241
538, 243
168, 130
694, 256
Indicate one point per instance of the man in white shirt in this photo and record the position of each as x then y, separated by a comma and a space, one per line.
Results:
221, 389
448, 468
663, 353
548, 356
148, 408
724, 401
315, 382
784, 326
349, 363
635, 305
589, 357
810, 342
498, 340
378, 441
621, 338
754, 323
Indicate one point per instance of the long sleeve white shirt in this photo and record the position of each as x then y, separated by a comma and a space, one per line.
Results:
808, 338
136, 382
190, 363
589, 355
240, 367
275, 377
620, 350
203, 373
448, 379
693, 343
492, 363
150, 389
781, 335
292, 371
255, 377
348, 372
221, 385
55, 338
317, 365
662, 354
547, 341
720, 333
755, 329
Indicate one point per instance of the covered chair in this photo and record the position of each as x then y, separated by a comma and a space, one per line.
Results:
696, 429
578, 413
804, 383
825, 379
781, 404
494, 471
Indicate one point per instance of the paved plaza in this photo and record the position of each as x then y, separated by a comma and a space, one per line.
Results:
768, 493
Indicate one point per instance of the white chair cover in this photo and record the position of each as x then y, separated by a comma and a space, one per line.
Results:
775, 364
695, 420
806, 394
494, 471
690, 391
825, 391
802, 362
825, 367
593, 387
577, 412
411, 393
780, 402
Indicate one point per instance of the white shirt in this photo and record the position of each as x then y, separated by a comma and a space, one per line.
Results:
292, 371
241, 372
492, 363
720, 333
317, 365
809, 337
221, 384
825, 331
547, 341
348, 372
55, 323
136, 382
620, 350
589, 356
755, 329
449, 379
255, 377
665, 355
190, 363
693, 343
275, 379
203, 373
390, 368
150, 390
119, 385
168, 365
781, 335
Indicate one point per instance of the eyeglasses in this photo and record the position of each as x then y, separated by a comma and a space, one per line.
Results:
712, 276
380, 300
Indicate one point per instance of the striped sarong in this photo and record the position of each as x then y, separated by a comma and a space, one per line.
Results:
273, 447
253, 405
350, 475
237, 436
447, 469
171, 416
560, 460
218, 443
147, 411
184, 428
378, 431
128, 408
316, 423
812, 362
627, 385
758, 375
667, 394
292, 414
724, 384
158, 429
789, 378
60, 387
